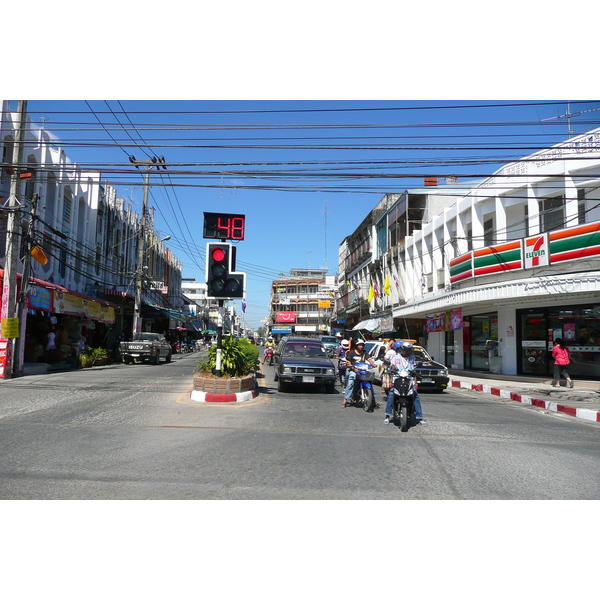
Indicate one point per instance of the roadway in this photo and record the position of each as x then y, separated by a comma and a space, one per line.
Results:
132, 432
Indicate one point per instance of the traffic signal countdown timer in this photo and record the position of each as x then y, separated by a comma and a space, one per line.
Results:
222, 281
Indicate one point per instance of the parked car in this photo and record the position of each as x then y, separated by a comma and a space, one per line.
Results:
146, 346
301, 360
331, 344
432, 375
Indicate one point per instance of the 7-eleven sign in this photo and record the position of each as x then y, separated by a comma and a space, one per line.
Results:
537, 251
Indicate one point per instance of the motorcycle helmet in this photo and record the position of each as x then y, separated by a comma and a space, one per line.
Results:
406, 348
345, 344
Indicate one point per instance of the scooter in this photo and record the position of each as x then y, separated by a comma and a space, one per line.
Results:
404, 394
269, 352
363, 392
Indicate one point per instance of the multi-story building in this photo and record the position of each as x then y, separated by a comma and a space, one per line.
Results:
302, 302
512, 263
370, 260
91, 239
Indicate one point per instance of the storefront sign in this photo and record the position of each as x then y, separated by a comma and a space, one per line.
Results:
461, 267
107, 314
574, 243
497, 259
285, 317
552, 248
537, 252
281, 329
67, 304
39, 298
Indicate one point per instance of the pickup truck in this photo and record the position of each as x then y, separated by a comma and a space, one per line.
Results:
146, 346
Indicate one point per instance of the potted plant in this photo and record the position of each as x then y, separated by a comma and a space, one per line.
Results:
239, 360
92, 356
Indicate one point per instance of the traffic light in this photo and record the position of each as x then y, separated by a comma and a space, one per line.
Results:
221, 281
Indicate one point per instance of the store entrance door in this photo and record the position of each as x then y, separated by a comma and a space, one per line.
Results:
533, 343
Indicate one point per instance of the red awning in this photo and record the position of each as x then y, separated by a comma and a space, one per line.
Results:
60, 288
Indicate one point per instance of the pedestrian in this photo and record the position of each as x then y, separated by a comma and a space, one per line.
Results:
51, 340
562, 357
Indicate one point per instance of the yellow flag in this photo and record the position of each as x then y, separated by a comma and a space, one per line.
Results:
371, 293
386, 286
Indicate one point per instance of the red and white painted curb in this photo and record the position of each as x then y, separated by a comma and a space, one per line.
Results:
199, 396
582, 413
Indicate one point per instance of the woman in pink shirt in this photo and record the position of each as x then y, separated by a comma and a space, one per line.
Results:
561, 356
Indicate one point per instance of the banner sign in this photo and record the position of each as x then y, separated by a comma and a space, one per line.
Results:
285, 317
456, 319
67, 304
436, 323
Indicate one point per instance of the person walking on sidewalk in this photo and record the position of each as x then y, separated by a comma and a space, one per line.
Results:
561, 356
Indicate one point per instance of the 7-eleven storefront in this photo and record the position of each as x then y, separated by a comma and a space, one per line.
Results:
524, 294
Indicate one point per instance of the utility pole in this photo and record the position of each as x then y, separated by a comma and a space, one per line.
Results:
139, 274
9, 285
22, 301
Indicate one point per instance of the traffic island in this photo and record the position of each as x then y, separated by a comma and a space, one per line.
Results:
210, 388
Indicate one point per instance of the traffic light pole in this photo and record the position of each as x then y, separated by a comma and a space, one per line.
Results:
219, 338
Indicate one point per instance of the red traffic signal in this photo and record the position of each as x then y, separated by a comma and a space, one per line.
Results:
221, 282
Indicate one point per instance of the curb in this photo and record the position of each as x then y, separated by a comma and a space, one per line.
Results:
582, 413
199, 396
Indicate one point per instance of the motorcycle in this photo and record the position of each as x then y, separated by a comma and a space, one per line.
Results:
363, 386
404, 388
269, 352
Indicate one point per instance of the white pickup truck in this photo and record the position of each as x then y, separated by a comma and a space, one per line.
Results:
146, 346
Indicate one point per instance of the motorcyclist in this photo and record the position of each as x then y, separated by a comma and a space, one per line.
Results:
356, 355
341, 354
404, 360
270, 343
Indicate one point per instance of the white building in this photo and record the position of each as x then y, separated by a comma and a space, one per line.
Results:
512, 265
90, 237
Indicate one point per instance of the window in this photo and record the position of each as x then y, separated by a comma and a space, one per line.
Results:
581, 206
488, 233
67, 199
552, 213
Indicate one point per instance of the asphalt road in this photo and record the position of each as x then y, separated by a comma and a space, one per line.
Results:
132, 432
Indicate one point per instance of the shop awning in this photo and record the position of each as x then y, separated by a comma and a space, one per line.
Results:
368, 324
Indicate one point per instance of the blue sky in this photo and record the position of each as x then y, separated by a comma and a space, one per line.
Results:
328, 164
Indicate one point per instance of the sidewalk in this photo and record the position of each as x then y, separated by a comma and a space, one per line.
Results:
582, 401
